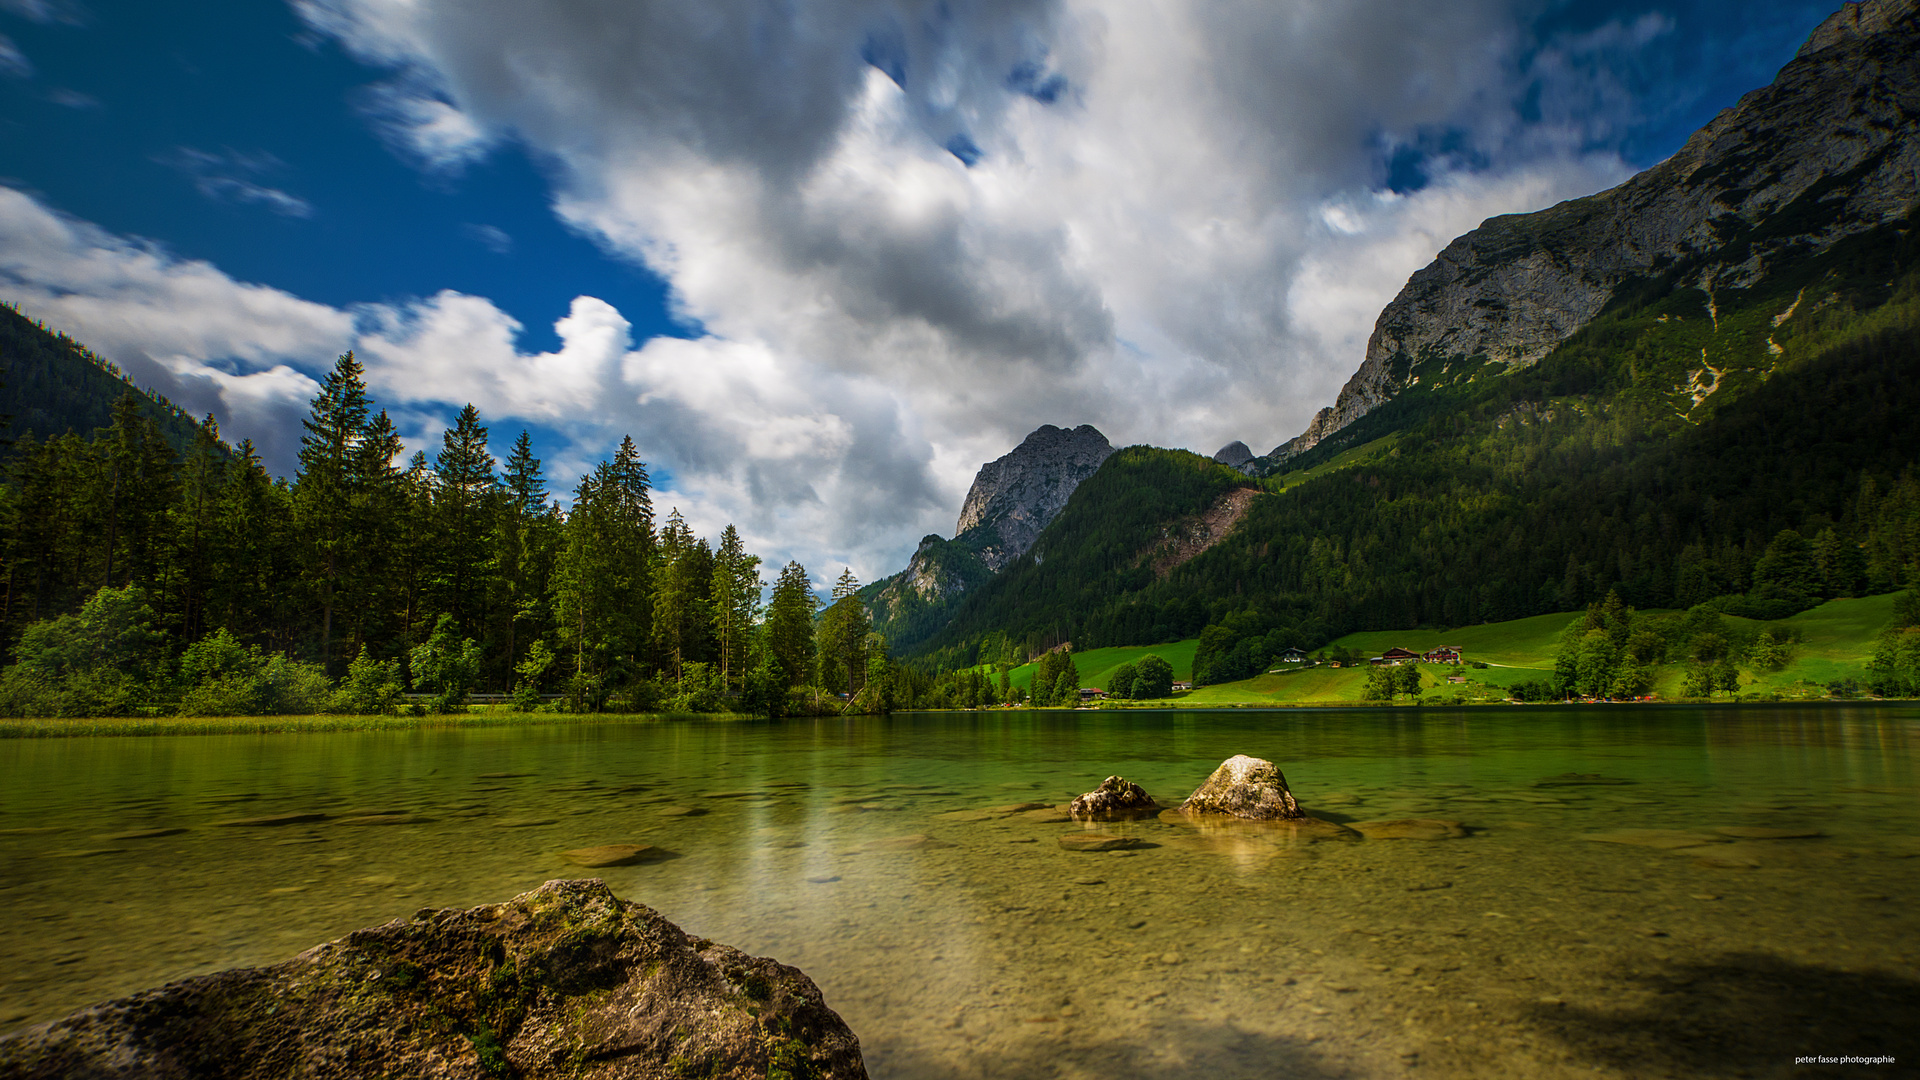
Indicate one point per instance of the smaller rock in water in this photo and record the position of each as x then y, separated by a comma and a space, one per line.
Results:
1410, 829
1245, 787
1755, 832
1658, 839
270, 821
1096, 841
677, 811
1114, 800
1580, 780
143, 834
914, 842
612, 855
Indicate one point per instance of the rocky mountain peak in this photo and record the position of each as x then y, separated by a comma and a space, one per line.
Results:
1856, 20
1015, 496
1823, 153
1234, 454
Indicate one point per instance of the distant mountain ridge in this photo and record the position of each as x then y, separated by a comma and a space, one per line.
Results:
1693, 391
1014, 496
1825, 152
1013, 499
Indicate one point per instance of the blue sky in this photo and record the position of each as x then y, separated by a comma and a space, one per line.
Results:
820, 262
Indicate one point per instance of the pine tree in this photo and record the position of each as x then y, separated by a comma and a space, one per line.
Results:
464, 488
735, 593
676, 605
843, 636
789, 629
521, 544
335, 424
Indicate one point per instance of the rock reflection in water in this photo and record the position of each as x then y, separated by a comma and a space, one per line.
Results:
1632, 891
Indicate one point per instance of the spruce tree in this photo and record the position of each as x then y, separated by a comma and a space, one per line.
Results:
735, 592
789, 630
464, 488
336, 421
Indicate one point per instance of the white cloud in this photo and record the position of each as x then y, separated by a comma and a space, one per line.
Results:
181, 326
229, 177
913, 231
14, 63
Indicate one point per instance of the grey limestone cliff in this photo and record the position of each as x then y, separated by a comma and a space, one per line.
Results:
1014, 497
1826, 151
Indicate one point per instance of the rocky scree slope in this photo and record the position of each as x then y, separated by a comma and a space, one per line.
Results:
1826, 151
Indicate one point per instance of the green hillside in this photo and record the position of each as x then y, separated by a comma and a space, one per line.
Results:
1475, 497
1096, 666
50, 384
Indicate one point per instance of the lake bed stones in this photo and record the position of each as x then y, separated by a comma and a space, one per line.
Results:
1410, 829
1756, 832
612, 855
1098, 841
1658, 839
270, 821
1244, 787
1114, 800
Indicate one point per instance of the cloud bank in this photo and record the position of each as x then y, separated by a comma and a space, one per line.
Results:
909, 232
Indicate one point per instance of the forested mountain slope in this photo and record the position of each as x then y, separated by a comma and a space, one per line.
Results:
1723, 416
1824, 153
50, 384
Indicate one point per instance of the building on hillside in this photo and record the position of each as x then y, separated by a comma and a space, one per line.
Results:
1396, 656
1445, 654
1091, 693
1180, 686
1291, 656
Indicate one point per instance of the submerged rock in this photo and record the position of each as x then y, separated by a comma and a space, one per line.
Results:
1095, 841
612, 855
1114, 800
1409, 829
1244, 787
567, 980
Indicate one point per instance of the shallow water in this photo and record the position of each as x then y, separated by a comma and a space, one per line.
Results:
1579, 929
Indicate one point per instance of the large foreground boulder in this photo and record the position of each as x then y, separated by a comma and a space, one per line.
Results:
567, 980
1114, 800
1245, 787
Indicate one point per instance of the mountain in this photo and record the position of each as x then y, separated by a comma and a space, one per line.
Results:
1012, 500
50, 384
1825, 153
1694, 389
1015, 496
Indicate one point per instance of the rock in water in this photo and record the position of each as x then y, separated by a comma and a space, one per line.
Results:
1115, 799
612, 855
567, 980
1245, 787
1096, 841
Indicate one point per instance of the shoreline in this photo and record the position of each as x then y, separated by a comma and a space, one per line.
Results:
151, 726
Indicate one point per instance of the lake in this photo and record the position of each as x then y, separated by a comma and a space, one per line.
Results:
1651, 915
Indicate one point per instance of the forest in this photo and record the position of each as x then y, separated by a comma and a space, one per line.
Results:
1540, 490
141, 577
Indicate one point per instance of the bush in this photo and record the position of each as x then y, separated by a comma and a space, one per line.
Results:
446, 666
371, 688
222, 677
1153, 678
